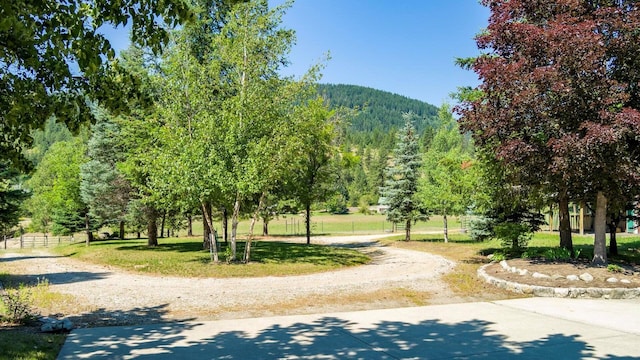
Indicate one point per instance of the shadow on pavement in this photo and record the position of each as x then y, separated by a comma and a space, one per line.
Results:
326, 338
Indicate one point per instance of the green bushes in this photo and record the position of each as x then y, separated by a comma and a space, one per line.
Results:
16, 305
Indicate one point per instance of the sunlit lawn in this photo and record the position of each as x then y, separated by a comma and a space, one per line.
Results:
328, 224
186, 257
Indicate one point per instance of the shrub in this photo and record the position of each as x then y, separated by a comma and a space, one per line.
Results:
480, 229
557, 254
514, 235
615, 268
498, 256
17, 305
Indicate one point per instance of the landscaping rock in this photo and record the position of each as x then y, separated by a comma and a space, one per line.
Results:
586, 277
612, 280
625, 281
561, 292
573, 277
523, 272
504, 264
557, 277
538, 275
52, 325
513, 269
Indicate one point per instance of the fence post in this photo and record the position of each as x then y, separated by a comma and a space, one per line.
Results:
5, 242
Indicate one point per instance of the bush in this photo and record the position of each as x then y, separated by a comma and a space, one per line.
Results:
615, 268
557, 254
480, 229
17, 305
337, 205
514, 235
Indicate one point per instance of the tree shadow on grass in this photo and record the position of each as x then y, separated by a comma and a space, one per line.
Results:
327, 338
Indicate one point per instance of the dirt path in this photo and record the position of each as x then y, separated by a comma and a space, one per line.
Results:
114, 293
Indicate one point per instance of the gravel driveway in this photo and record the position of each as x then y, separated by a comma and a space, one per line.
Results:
118, 294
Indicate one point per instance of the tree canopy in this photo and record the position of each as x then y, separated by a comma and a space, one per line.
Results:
53, 54
557, 107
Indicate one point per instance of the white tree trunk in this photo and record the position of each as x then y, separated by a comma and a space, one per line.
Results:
213, 246
234, 227
446, 229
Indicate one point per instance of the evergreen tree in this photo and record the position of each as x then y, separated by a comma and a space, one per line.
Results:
401, 184
103, 188
10, 198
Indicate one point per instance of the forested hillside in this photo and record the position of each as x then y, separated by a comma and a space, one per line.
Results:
380, 112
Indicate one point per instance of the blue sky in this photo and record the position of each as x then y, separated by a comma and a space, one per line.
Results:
404, 46
407, 47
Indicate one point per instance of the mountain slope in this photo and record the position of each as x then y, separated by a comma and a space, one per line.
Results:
380, 111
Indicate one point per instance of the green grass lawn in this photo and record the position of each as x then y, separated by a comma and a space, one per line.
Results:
185, 257
24, 344
328, 224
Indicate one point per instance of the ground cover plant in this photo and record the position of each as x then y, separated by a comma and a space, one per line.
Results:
186, 257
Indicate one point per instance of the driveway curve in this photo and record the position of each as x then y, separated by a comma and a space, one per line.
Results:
115, 291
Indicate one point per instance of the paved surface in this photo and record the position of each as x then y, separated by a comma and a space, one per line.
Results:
533, 328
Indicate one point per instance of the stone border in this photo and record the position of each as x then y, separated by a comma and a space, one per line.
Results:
571, 292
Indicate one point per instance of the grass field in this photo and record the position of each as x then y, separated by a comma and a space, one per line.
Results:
185, 257
328, 224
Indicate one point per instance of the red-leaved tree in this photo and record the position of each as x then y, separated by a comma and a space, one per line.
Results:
559, 100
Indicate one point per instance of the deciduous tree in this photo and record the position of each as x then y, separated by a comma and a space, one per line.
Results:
449, 173
555, 106
53, 55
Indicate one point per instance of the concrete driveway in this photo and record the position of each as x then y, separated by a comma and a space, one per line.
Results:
532, 328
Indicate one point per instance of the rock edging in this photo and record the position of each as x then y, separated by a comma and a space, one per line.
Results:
570, 292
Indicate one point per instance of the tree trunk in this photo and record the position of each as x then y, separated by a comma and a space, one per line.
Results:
565, 223
407, 231
121, 230
307, 221
265, 227
225, 225
164, 217
446, 229
189, 225
139, 236
247, 247
88, 229
206, 230
234, 227
613, 230
208, 224
613, 242
152, 228
600, 229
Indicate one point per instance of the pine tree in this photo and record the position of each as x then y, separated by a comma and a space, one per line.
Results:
401, 184
103, 188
